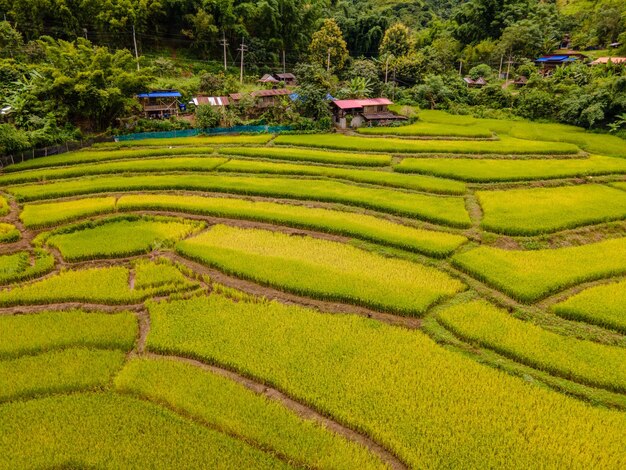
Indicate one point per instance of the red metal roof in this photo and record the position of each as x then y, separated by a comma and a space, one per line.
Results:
352, 104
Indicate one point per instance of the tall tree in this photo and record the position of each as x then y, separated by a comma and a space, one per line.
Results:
328, 48
396, 41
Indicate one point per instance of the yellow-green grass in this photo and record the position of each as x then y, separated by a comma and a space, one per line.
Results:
17, 266
583, 361
432, 407
203, 164
44, 331
531, 275
96, 285
91, 156
367, 227
549, 132
422, 128
544, 210
485, 170
8, 233
63, 371
446, 210
313, 267
238, 411
384, 178
258, 139
308, 155
118, 236
47, 214
110, 431
621, 186
505, 146
603, 305
4, 206
131, 166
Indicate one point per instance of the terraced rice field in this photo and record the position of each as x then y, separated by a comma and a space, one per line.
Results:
450, 297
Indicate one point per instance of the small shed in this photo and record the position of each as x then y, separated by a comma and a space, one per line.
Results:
363, 111
268, 78
269, 98
160, 104
287, 78
478, 83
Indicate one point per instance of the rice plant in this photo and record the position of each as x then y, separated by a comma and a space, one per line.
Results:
594, 364
544, 210
109, 238
362, 226
600, 305
233, 408
106, 430
531, 275
308, 155
486, 170
44, 331
64, 371
383, 178
438, 209
47, 214
505, 146
396, 385
279, 260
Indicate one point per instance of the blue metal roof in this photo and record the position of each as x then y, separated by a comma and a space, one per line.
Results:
160, 94
557, 58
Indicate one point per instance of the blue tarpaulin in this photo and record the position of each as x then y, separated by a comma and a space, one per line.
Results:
160, 94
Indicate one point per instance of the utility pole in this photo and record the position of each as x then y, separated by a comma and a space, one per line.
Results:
500, 69
386, 68
328, 61
284, 68
508, 68
224, 43
135, 43
460, 67
243, 48
393, 93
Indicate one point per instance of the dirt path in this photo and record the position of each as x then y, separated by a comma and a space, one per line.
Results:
298, 408
291, 299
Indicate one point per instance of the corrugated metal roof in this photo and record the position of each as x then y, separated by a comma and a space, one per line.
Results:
211, 100
286, 75
353, 104
267, 78
160, 94
276, 92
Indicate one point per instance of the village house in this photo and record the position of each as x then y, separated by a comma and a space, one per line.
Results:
359, 112
269, 78
160, 104
478, 83
289, 79
269, 98
559, 58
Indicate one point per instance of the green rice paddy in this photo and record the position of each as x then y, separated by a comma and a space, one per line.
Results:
445, 294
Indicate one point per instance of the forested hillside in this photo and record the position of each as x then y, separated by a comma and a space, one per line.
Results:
68, 68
